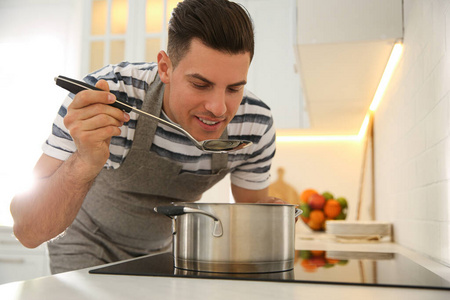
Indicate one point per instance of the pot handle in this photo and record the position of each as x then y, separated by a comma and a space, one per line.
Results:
298, 212
176, 210
170, 210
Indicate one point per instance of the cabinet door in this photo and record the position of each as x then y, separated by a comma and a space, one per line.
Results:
272, 75
20, 263
22, 267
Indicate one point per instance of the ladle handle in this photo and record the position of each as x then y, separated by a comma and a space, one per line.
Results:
76, 86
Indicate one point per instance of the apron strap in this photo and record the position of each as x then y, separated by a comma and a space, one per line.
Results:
146, 127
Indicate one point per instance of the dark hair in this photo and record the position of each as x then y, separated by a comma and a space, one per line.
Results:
220, 24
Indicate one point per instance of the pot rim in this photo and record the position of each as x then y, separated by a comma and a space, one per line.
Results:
233, 204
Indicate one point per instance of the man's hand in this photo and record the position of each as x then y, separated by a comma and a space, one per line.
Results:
273, 200
91, 123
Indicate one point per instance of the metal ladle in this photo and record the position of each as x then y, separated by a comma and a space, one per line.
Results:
214, 146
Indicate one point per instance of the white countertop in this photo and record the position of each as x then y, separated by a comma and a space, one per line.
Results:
82, 285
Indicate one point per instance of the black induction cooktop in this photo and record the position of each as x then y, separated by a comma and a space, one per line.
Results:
335, 267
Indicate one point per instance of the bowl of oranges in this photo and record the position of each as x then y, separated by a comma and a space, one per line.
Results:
317, 208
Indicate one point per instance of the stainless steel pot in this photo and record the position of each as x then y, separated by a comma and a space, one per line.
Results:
233, 238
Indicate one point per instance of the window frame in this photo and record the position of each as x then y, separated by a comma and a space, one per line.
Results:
135, 36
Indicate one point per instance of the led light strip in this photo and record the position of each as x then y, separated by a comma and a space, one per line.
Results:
387, 74
390, 67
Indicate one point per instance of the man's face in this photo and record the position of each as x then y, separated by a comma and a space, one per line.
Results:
204, 91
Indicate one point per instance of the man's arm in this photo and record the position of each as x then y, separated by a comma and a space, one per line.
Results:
242, 195
48, 208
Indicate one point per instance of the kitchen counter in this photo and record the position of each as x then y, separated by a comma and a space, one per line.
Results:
82, 285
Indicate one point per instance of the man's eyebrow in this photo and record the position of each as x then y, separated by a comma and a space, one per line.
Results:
200, 77
243, 82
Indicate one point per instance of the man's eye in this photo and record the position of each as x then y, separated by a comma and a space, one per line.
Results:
200, 86
234, 90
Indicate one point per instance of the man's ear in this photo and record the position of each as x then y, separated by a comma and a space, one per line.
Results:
164, 67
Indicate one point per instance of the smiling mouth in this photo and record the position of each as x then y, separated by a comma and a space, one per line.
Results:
207, 122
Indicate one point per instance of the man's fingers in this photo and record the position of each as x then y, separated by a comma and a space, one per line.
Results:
92, 123
89, 97
274, 200
103, 85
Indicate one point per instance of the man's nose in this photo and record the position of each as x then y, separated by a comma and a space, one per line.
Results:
216, 104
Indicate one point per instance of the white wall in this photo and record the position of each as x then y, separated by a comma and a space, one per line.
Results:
412, 141
333, 166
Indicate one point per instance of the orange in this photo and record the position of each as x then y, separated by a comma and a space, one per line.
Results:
317, 252
308, 266
317, 216
304, 196
316, 219
318, 261
305, 219
314, 225
332, 209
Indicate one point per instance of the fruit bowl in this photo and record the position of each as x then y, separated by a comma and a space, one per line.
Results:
317, 208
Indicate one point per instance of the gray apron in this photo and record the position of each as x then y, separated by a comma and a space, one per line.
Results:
116, 220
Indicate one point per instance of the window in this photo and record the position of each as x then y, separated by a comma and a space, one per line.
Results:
133, 30
107, 32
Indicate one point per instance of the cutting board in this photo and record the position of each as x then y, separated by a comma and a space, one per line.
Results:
283, 190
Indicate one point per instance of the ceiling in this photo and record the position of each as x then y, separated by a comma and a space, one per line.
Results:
343, 48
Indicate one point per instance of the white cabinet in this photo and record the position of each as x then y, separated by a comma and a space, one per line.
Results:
273, 76
19, 263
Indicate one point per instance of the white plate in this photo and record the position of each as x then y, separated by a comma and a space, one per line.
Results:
358, 229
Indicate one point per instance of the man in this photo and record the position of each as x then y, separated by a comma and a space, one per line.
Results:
103, 171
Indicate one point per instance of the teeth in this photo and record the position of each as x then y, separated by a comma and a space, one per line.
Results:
207, 122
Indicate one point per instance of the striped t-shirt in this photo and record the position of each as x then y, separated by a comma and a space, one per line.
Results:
129, 82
